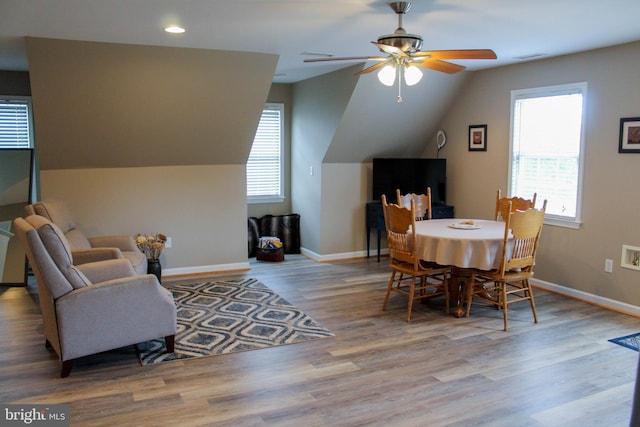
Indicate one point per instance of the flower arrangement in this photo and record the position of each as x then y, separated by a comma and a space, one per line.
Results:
151, 246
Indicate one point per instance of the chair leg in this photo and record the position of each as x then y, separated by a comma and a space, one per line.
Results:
423, 286
66, 368
533, 304
445, 285
504, 303
170, 340
386, 298
412, 290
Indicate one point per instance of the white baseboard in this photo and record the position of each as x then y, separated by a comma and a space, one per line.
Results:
607, 303
216, 268
341, 256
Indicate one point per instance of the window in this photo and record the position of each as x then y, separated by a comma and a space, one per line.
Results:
547, 146
264, 167
15, 123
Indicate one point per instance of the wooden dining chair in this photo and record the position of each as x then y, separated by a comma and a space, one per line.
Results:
510, 282
409, 275
422, 203
517, 204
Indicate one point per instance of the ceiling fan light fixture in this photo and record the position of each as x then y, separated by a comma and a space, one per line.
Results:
387, 75
412, 75
403, 41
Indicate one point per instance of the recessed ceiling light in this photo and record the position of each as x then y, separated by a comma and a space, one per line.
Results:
174, 29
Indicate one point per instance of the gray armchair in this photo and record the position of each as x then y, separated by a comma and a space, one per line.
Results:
92, 307
93, 248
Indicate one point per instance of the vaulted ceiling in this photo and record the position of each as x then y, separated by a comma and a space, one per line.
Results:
297, 29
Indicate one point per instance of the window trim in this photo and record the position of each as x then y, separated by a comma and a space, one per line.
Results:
276, 198
22, 100
539, 92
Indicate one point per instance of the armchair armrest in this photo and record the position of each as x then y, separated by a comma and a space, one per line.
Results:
122, 242
83, 256
103, 271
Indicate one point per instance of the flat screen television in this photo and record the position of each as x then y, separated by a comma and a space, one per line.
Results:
410, 175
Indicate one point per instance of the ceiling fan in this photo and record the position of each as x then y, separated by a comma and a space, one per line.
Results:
403, 53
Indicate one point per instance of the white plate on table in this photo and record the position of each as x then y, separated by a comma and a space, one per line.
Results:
464, 226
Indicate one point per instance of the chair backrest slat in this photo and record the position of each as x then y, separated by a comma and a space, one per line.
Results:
422, 203
517, 204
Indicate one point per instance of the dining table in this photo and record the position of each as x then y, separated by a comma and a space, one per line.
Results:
463, 244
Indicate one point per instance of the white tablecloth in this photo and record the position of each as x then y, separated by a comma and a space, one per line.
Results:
479, 248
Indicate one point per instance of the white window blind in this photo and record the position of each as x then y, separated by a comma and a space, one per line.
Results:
547, 147
15, 123
264, 166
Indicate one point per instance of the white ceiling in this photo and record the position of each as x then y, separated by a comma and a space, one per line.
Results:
512, 28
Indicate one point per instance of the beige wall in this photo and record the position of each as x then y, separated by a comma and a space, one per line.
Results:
343, 208
197, 206
319, 105
567, 257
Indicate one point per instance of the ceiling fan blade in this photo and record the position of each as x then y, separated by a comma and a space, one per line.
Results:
391, 50
349, 58
373, 67
436, 64
458, 54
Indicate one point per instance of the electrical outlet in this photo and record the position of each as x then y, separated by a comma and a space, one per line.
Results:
168, 243
608, 265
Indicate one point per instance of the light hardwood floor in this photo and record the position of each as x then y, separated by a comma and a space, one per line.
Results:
378, 370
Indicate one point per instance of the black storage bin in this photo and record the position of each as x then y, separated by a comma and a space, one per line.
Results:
284, 227
268, 254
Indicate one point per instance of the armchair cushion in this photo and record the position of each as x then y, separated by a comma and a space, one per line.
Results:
76, 239
54, 241
122, 242
102, 271
56, 212
57, 284
83, 256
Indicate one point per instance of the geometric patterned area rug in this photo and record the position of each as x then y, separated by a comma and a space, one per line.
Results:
630, 341
231, 316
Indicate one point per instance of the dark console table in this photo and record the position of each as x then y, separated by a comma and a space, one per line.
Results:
375, 219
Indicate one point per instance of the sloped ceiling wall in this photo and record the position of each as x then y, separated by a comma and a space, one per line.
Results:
319, 106
375, 125
115, 105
